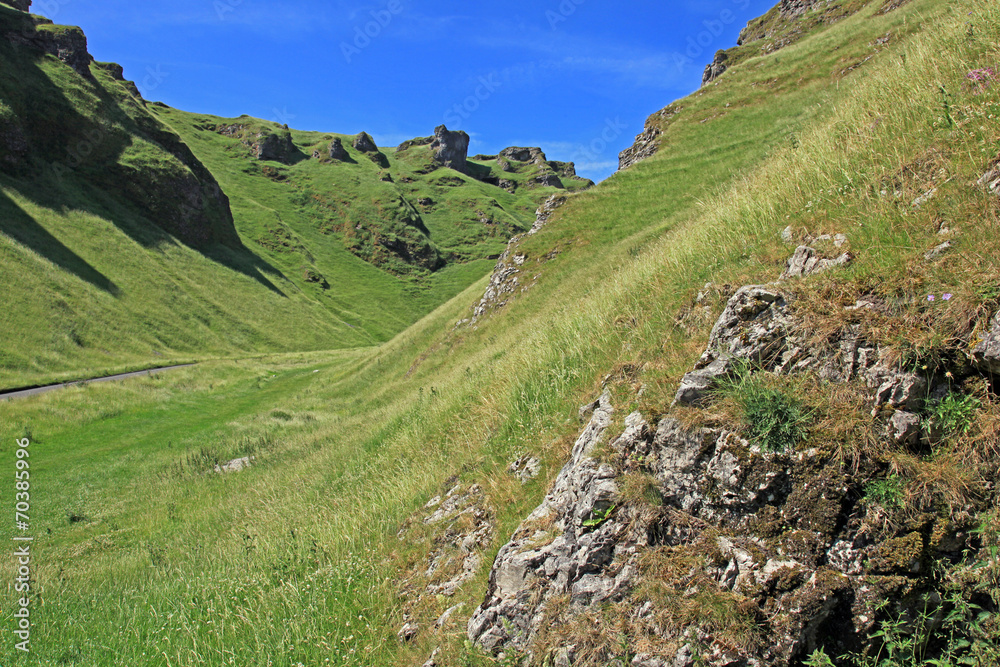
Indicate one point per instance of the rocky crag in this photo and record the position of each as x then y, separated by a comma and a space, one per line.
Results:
507, 280
682, 542
176, 192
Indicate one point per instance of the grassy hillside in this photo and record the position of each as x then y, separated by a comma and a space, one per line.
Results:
128, 245
147, 555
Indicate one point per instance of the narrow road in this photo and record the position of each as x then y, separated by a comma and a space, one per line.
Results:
24, 393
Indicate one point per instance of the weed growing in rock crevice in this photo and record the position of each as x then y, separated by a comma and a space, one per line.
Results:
775, 420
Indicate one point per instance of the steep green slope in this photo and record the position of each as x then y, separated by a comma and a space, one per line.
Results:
299, 559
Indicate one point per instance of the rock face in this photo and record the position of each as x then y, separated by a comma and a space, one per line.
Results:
505, 281
793, 8
410, 143
648, 142
23, 5
525, 577
337, 151
67, 43
545, 212
987, 352
273, 145
364, 143
716, 68
520, 154
806, 261
464, 526
783, 537
451, 148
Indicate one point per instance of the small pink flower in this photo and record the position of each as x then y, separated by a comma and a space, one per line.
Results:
947, 297
930, 297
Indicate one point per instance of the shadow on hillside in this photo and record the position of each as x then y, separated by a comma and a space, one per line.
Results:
22, 228
72, 163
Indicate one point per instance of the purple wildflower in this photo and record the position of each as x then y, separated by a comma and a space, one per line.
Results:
947, 297
930, 297
981, 78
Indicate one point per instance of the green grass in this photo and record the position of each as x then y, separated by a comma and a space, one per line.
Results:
117, 256
296, 559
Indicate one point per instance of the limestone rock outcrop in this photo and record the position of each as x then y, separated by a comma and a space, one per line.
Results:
787, 537
337, 151
506, 279
364, 143
987, 352
264, 144
806, 262
716, 68
68, 43
23, 5
451, 149
648, 141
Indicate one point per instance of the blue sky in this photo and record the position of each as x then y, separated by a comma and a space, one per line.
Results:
576, 77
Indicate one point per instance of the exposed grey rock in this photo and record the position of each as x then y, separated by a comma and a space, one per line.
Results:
564, 658
273, 145
904, 428
68, 45
924, 198
899, 390
788, 235
549, 180
752, 328
519, 154
697, 385
408, 632
545, 212
937, 252
648, 141
446, 616
276, 147
337, 150
364, 143
793, 8
566, 564
505, 280
525, 468
716, 68
806, 262
991, 180
235, 465
987, 353
419, 141
432, 661
451, 148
